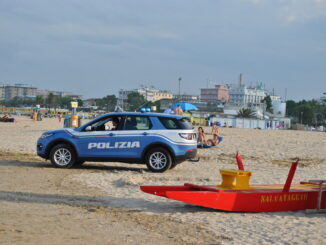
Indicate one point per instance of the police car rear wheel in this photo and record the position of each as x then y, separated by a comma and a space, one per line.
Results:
62, 156
158, 160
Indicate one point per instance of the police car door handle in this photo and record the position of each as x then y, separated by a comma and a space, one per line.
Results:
111, 134
145, 133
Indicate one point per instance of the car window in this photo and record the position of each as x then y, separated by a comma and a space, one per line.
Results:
173, 123
106, 124
137, 123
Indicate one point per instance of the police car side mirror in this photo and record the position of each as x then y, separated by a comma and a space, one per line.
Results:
88, 128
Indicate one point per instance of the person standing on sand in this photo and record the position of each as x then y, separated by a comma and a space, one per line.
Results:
60, 117
178, 110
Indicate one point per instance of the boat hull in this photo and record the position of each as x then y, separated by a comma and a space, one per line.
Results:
258, 199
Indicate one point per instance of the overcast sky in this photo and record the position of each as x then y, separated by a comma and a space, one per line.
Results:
96, 47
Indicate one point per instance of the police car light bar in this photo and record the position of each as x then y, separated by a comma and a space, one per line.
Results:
145, 109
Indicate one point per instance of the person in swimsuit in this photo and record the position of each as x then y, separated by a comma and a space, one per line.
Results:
216, 129
214, 141
178, 110
201, 136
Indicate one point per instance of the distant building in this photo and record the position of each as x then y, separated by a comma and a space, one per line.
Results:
279, 108
45, 94
150, 94
159, 95
244, 96
248, 97
90, 102
187, 97
219, 93
8, 92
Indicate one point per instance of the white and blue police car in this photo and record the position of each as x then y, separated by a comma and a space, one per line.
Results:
161, 141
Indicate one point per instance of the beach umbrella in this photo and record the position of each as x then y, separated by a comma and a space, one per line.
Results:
185, 106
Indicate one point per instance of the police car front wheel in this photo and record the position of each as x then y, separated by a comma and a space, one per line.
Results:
62, 156
158, 160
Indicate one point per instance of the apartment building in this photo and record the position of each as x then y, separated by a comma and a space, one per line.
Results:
218, 94
8, 92
150, 94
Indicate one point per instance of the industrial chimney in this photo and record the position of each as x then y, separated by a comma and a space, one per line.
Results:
240, 80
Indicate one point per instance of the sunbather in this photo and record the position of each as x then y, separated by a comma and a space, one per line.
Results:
214, 141
216, 128
201, 136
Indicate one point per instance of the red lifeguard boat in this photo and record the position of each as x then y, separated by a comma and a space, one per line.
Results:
236, 194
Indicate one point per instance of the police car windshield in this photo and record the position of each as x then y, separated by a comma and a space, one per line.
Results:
173, 123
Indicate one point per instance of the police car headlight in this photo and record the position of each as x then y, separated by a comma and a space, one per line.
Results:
46, 135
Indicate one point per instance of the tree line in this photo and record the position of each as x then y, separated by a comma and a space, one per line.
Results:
107, 103
51, 101
309, 112
134, 102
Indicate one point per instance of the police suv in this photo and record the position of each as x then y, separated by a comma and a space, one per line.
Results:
161, 141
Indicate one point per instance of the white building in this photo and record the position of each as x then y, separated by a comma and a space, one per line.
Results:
150, 94
279, 108
252, 97
8, 92
186, 97
241, 95
235, 122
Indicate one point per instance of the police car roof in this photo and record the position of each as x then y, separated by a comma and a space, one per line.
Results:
150, 114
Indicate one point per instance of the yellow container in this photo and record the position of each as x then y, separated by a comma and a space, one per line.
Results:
235, 179
35, 116
74, 121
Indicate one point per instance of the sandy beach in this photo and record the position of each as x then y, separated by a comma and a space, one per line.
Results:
106, 196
